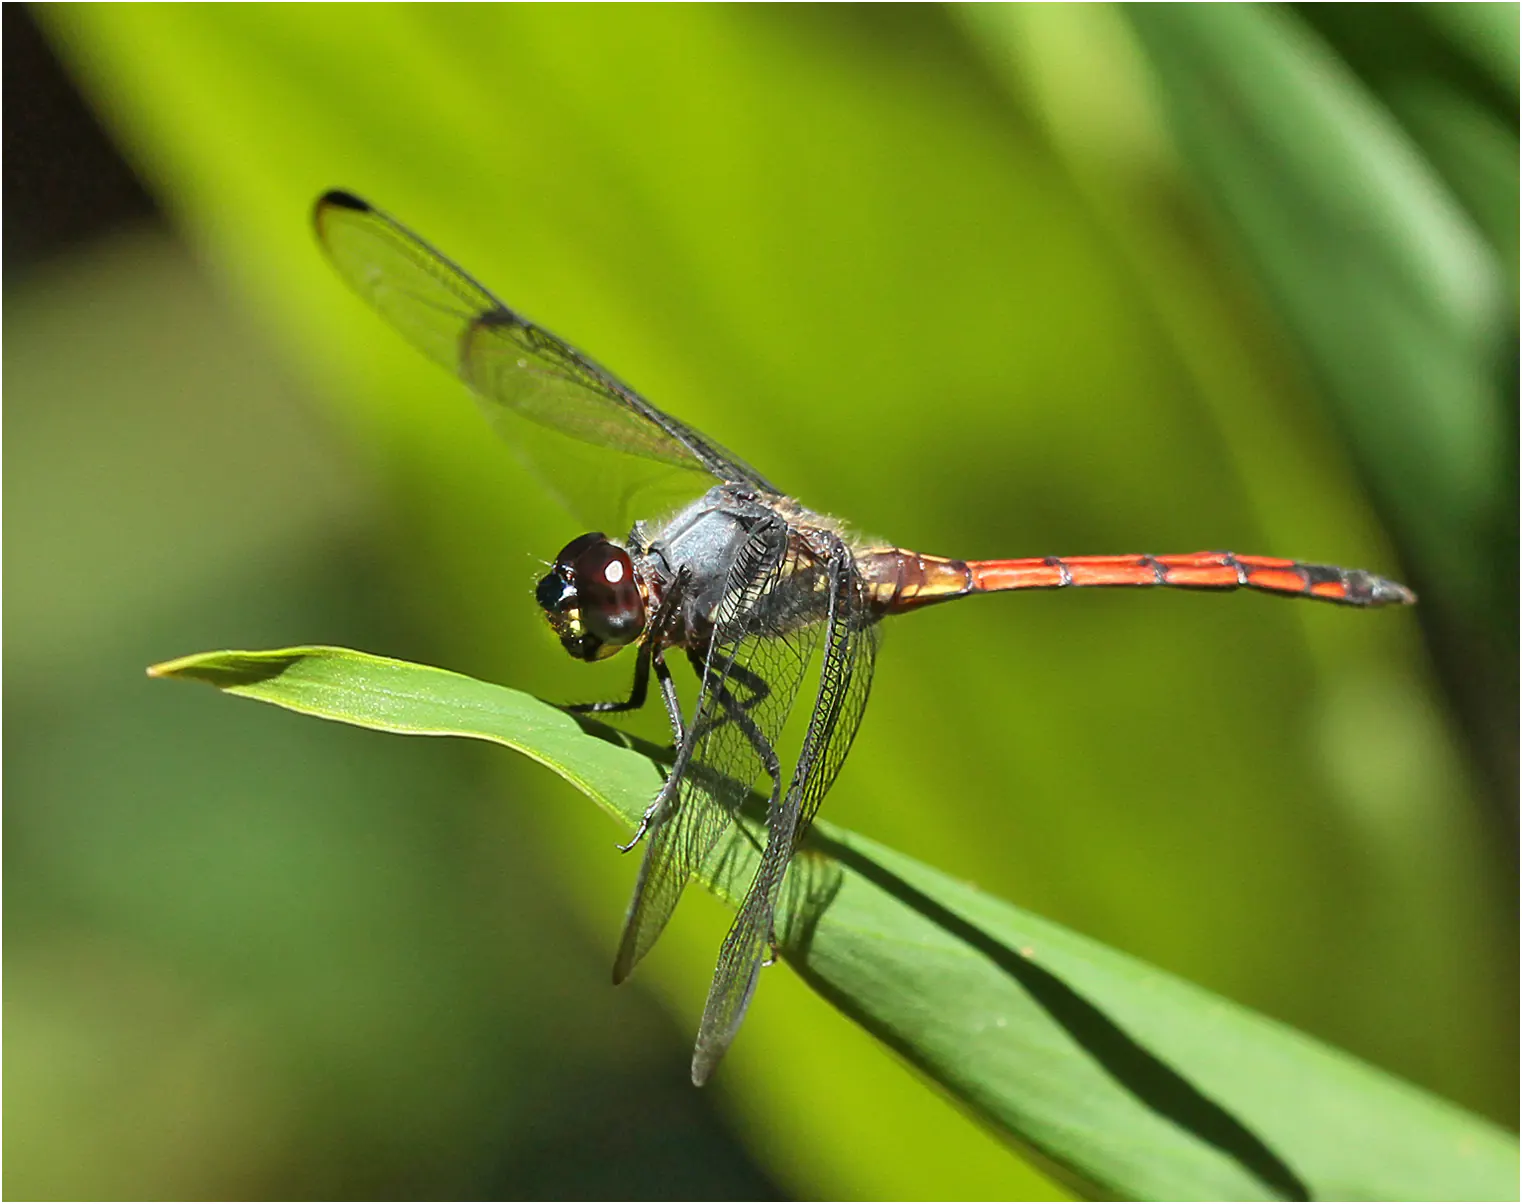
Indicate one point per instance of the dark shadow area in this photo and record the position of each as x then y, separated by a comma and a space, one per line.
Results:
813, 882
252, 670
63, 180
662, 755
1152, 1081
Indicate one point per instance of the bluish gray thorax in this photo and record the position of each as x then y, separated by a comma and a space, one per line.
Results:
705, 538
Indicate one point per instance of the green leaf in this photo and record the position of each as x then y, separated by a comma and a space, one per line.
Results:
1383, 279
1124, 1080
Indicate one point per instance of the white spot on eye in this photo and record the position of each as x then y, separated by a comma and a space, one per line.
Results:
614, 573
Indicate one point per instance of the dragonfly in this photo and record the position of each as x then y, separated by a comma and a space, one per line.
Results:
767, 600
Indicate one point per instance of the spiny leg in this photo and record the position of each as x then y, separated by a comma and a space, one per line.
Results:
674, 713
637, 693
651, 655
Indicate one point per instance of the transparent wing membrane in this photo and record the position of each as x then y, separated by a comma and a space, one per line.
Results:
745, 695
527, 381
765, 599
845, 678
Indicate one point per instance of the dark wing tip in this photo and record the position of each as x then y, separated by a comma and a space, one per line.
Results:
337, 198
623, 964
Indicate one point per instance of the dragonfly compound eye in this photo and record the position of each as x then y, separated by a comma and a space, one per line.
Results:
612, 604
592, 598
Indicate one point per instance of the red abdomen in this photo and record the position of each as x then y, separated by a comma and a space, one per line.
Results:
902, 580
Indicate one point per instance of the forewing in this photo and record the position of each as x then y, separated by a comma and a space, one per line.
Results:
526, 380
727, 754
845, 679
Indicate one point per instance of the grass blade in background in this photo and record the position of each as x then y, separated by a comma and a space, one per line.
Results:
858, 174
1124, 1080
1373, 185
1385, 282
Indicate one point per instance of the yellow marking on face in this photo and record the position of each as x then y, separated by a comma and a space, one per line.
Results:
566, 621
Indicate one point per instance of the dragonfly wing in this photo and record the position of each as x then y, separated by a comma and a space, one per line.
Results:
845, 678
847, 686
752, 675
526, 380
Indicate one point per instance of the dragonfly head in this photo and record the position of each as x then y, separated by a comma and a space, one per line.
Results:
593, 598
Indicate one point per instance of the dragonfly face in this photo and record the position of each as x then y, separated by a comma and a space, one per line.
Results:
748, 583
593, 598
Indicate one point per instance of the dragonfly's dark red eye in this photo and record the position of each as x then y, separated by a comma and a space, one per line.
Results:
612, 606
592, 597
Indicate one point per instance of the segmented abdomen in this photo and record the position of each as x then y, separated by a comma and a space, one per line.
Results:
903, 580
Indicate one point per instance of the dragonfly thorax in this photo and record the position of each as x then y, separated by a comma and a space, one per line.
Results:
593, 598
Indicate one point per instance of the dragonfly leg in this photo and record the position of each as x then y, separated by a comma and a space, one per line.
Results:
649, 652
637, 694
674, 712
645, 821
651, 655
668, 696
733, 711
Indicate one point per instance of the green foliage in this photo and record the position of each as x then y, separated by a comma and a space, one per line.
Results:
1374, 265
1124, 1079
961, 276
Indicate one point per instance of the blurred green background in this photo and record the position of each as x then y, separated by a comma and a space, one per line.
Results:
989, 282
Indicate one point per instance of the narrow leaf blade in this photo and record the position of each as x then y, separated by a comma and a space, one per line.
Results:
1122, 1079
